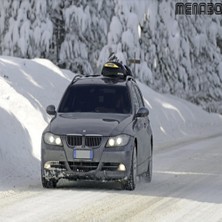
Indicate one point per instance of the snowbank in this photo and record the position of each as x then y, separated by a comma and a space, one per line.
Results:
28, 86
175, 120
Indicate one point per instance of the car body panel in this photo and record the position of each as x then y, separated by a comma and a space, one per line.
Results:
101, 156
92, 123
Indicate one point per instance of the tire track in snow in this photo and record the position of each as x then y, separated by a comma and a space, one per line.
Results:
186, 187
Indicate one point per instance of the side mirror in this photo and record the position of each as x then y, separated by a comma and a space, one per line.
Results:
142, 112
51, 110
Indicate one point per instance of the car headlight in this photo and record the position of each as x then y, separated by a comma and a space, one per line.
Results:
52, 139
120, 140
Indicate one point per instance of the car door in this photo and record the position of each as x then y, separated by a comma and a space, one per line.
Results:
145, 135
138, 129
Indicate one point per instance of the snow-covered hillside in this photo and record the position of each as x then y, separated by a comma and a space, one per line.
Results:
28, 86
179, 54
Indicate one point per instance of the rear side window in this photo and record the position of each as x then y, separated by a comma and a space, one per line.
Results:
140, 99
135, 100
96, 98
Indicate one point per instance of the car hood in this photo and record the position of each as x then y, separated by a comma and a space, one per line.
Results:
103, 124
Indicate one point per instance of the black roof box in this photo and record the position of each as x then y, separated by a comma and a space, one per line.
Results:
115, 69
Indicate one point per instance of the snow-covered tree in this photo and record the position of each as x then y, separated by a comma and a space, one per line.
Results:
26, 29
178, 54
86, 24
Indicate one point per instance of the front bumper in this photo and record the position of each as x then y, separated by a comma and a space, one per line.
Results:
104, 165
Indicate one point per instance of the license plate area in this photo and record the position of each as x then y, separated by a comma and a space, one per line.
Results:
83, 154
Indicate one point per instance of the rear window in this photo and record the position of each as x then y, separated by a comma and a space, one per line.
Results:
96, 99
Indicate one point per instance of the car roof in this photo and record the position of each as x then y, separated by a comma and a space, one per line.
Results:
99, 80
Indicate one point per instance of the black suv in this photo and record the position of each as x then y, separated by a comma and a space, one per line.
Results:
100, 131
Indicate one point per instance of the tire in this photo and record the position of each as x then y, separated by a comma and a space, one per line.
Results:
50, 184
148, 175
130, 184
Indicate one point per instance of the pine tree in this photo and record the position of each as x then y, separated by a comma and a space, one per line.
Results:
180, 55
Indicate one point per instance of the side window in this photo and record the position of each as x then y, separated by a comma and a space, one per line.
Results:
135, 100
138, 94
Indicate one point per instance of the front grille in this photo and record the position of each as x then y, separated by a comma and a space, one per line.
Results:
83, 166
74, 140
89, 141
110, 166
57, 164
93, 141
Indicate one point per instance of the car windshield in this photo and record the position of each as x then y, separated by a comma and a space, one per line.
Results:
96, 99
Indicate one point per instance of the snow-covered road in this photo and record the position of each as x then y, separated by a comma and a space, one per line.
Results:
186, 186
187, 177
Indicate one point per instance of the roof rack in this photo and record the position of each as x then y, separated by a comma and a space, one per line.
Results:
92, 75
76, 77
128, 78
125, 77
81, 76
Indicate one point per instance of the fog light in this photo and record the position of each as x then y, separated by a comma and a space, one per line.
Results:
122, 167
51, 164
47, 165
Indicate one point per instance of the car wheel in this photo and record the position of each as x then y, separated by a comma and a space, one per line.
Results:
51, 183
149, 172
131, 181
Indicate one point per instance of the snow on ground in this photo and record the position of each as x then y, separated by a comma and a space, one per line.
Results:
175, 120
28, 86
187, 178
